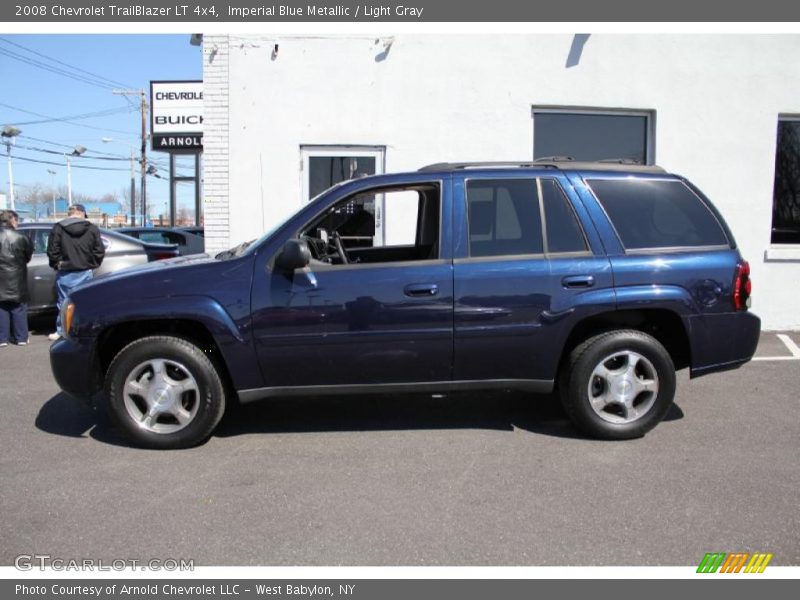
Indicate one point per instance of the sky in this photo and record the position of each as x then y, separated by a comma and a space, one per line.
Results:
32, 71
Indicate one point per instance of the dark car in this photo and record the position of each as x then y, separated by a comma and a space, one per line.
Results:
597, 279
188, 243
121, 252
195, 229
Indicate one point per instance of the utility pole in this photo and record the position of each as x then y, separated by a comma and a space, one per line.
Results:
9, 136
69, 181
143, 159
133, 192
53, 189
10, 178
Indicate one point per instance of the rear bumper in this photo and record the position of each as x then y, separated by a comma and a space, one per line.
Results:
722, 342
72, 361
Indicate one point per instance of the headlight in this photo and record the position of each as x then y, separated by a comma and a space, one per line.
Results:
67, 314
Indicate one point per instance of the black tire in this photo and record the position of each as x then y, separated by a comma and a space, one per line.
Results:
611, 349
181, 363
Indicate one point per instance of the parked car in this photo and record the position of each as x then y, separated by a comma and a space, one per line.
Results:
195, 229
121, 252
188, 243
597, 279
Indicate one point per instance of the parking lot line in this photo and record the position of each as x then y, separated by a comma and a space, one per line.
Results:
790, 345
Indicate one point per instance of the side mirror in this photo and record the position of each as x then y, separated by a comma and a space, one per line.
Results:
294, 255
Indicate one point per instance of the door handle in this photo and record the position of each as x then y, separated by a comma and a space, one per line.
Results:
578, 281
417, 290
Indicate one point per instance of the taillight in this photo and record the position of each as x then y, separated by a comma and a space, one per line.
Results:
742, 286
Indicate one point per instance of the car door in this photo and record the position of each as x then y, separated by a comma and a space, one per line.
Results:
41, 278
524, 271
384, 317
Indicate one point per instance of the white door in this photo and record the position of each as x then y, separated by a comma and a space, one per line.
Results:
324, 166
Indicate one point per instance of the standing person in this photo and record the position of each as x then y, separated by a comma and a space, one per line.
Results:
15, 253
74, 249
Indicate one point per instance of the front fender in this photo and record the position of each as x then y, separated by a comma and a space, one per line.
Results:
229, 326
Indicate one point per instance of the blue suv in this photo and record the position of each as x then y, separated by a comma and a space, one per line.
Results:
598, 279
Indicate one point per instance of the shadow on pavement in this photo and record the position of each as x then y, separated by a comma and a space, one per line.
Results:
501, 411
62, 415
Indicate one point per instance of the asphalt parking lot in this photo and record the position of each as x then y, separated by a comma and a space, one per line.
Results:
495, 479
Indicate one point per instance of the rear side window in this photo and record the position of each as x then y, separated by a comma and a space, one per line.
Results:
657, 214
564, 234
504, 217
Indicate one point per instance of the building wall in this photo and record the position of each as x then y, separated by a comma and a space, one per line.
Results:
433, 98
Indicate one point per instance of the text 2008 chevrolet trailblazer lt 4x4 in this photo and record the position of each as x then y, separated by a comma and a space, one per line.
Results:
598, 279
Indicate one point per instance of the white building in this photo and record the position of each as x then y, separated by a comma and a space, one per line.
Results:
287, 115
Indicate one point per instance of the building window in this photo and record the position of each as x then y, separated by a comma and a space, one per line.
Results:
592, 135
325, 166
786, 191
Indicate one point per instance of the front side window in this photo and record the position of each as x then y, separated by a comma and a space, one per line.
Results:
353, 230
786, 190
648, 213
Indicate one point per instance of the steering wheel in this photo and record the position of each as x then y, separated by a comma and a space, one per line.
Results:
337, 241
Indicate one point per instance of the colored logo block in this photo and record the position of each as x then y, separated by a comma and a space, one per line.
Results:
738, 562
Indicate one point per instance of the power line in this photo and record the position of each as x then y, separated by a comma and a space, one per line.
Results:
74, 166
71, 147
30, 112
58, 164
100, 77
58, 71
91, 115
151, 161
62, 153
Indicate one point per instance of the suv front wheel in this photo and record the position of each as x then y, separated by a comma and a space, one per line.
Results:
618, 385
164, 392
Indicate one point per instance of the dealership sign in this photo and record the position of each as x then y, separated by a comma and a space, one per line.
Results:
176, 115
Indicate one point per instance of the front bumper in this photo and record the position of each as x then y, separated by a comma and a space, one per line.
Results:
722, 342
74, 367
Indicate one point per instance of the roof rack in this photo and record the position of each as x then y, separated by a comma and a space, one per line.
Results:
458, 166
551, 162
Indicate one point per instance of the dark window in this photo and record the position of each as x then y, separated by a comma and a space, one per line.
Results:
41, 237
786, 191
326, 171
564, 233
592, 136
657, 214
504, 217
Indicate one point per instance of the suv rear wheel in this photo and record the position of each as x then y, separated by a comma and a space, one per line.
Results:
164, 392
618, 385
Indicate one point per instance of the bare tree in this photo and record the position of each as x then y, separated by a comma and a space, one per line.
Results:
110, 197
126, 199
33, 197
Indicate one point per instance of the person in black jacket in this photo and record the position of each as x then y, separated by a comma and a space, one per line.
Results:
74, 248
15, 253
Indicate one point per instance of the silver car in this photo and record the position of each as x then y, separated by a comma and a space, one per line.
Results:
188, 242
121, 252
